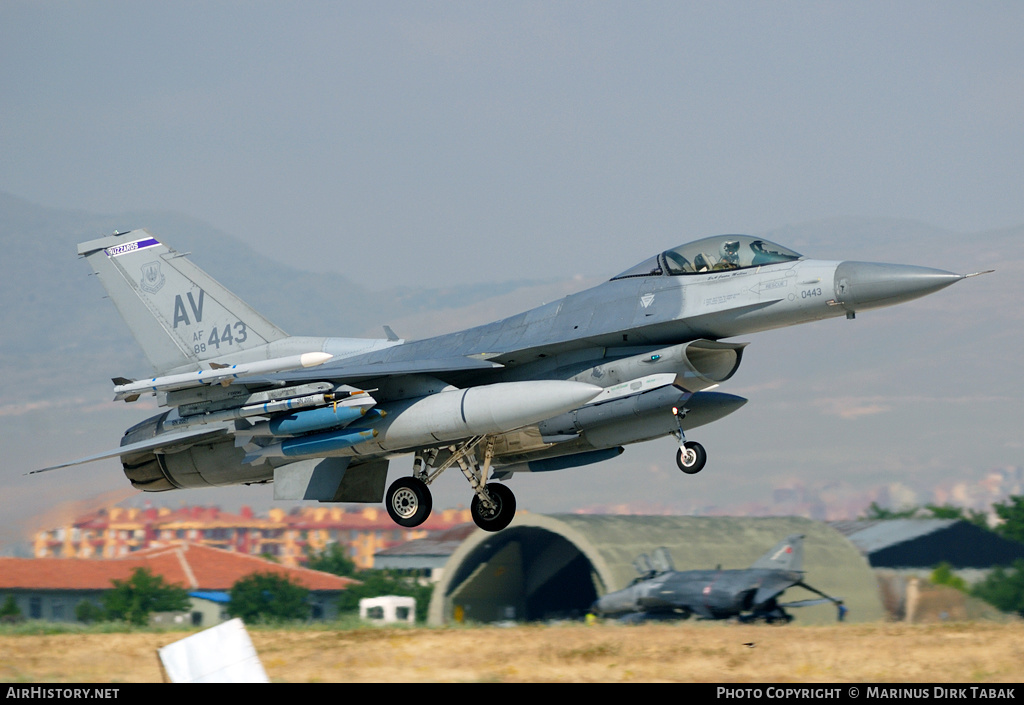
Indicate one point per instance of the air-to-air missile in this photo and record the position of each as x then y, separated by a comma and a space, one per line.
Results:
217, 374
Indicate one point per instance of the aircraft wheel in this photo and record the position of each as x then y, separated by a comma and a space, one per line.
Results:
503, 512
691, 457
408, 501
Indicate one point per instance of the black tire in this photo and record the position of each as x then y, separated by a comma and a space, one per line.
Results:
504, 511
408, 501
692, 461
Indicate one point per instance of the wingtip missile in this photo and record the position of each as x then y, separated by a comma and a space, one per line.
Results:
312, 359
217, 374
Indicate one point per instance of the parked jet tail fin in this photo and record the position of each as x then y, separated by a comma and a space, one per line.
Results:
642, 565
179, 315
788, 554
662, 560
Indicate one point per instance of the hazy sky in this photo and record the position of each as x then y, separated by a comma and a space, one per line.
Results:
425, 143
413, 141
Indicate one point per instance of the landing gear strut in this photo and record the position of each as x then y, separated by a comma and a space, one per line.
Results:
691, 455
493, 507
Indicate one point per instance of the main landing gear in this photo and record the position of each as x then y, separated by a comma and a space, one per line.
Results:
691, 455
408, 499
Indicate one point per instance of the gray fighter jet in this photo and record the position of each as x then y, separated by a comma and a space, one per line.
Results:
560, 386
748, 595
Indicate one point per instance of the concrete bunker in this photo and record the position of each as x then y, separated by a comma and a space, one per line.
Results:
549, 567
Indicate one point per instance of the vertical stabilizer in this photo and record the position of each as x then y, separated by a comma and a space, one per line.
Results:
662, 560
788, 554
179, 315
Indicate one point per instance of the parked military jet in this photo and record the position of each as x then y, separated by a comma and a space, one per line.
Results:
751, 594
563, 385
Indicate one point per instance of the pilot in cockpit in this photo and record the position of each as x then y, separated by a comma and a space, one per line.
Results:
730, 252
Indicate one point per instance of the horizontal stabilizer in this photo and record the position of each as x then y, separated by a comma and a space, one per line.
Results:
163, 442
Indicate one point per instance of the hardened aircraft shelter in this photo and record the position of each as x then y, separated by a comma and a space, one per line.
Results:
546, 567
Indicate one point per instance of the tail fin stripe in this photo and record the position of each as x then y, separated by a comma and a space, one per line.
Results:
127, 247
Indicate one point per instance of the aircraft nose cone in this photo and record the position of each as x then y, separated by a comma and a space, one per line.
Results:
615, 602
862, 285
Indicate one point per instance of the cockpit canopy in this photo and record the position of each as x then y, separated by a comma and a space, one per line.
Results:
712, 254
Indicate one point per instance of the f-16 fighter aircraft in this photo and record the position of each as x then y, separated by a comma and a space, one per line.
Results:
748, 595
560, 386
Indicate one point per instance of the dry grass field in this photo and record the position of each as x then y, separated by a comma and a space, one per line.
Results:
965, 652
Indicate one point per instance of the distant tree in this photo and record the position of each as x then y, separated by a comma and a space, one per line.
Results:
332, 560
1004, 588
268, 597
943, 575
134, 599
376, 583
9, 612
88, 612
949, 511
876, 512
1011, 515
928, 511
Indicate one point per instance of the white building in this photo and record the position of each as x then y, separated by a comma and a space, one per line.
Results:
388, 609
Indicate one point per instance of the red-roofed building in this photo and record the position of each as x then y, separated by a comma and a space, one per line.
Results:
119, 531
51, 588
365, 531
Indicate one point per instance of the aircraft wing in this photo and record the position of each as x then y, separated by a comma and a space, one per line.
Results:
263, 373
165, 442
825, 597
840, 606
344, 370
808, 603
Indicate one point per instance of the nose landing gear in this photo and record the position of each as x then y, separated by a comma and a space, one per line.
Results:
691, 456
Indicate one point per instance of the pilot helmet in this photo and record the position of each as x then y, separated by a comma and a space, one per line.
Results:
730, 249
